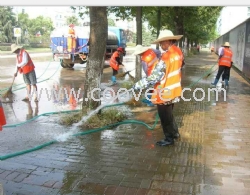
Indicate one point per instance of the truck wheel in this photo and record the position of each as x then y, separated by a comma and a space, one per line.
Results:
63, 64
71, 65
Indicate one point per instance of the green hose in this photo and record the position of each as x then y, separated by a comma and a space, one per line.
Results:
79, 134
44, 114
90, 130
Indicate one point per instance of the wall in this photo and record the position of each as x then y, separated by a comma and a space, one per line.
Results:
239, 39
237, 42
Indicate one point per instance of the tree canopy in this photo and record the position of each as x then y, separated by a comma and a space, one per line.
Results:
196, 23
7, 22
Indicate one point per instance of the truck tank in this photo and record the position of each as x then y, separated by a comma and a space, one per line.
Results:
112, 39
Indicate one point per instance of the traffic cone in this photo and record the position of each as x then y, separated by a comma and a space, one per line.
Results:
2, 117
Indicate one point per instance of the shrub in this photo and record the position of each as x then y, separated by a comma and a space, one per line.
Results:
107, 116
5, 48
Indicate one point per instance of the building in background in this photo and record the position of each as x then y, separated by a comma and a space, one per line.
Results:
58, 14
230, 17
126, 24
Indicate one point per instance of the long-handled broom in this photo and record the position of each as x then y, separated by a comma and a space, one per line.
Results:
210, 73
121, 75
9, 91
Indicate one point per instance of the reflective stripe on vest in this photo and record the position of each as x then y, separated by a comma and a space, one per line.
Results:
170, 86
150, 58
226, 59
112, 62
29, 66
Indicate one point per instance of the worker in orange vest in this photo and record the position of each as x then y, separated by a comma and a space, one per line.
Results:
71, 41
166, 79
2, 117
149, 58
114, 62
225, 63
26, 67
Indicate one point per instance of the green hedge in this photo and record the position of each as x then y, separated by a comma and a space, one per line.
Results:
5, 48
130, 44
39, 45
5, 44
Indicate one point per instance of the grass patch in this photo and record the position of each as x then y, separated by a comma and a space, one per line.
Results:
127, 84
38, 50
70, 119
28, 49
131, 44
107, 116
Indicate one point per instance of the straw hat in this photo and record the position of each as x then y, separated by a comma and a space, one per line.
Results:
140, 49
15, 47
167, 35
226, 44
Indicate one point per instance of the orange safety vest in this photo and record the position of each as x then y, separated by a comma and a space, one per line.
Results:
29, 66
72, 32
71, 41
113, 63
151, 60
170, 86
226, 59
180, 53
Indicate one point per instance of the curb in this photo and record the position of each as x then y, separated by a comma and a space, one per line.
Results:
1, 189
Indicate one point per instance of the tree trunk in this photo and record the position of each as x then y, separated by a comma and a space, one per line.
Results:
158, 24
97, 47
188, 44
138, 68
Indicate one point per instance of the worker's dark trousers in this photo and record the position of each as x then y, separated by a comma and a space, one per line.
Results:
168, 123
115, 72
225, 70
223, 75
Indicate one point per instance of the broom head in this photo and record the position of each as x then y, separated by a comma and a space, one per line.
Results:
123, 74
8, 93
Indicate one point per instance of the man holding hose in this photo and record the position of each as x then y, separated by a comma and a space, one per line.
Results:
166, 82
149, 58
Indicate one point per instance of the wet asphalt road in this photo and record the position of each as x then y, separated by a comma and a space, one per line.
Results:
50, 77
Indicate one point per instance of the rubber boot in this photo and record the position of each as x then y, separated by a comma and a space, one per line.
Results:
226, 82
215, 82
113, 79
